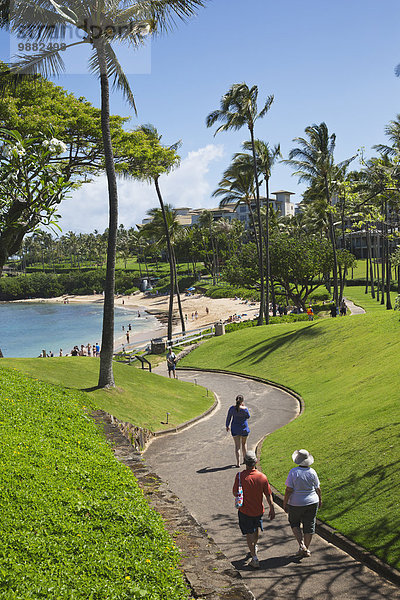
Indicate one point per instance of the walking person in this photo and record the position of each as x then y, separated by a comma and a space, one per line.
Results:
254, 485
302, 500
236, 419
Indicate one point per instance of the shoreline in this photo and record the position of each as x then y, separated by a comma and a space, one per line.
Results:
199, 310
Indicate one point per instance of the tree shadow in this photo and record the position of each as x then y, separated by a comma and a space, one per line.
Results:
215, 469
263, 349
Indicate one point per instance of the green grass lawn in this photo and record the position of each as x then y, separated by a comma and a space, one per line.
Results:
74, 523
346, 371
141, 398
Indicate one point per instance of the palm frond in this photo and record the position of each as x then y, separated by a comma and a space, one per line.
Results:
46, 63
115, 71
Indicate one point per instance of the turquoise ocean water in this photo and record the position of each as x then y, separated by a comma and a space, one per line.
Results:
27, 328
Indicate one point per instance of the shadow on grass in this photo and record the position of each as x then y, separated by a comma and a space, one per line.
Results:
258, 352
380, 535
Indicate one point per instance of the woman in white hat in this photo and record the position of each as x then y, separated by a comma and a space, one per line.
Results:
302, 499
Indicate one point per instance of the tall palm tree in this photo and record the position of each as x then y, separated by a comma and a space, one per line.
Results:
313, 162
266, 158
99, 23
163, 227
239, 108
149, 167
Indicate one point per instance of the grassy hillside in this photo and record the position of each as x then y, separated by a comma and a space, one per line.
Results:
74, 523
346, 371
140, 398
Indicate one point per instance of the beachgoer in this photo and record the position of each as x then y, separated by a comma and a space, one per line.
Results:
127, 336
302, 499
237, 418
74, 351
343, 308
130, 326
97, 349
89, 350
82, 350
123, 327
207, 311
171, 362
310, 313
254, 485
61, 352
196, 314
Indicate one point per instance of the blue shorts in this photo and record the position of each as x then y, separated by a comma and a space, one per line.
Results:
249, 524
305, 515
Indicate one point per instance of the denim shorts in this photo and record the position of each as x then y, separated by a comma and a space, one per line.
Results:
305, 515
249, 524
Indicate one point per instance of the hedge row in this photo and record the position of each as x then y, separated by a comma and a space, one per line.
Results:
50, 285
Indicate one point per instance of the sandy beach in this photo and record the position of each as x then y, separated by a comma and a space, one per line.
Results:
221, 309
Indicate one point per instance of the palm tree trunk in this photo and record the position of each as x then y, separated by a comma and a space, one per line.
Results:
333, 242
171, 261
106, 376
178, 295
371, 272
387, 259
260, 236
267, 265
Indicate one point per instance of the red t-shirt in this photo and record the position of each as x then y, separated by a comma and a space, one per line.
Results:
254, 485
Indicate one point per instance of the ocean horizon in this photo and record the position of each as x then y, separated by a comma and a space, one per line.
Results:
28, 328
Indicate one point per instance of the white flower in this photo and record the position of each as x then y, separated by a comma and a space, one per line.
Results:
57, 146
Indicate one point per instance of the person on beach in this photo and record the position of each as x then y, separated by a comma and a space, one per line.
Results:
236, 419
97, 349
61, 351
127, 336
302, 500
89, 350
254, 485
171, 363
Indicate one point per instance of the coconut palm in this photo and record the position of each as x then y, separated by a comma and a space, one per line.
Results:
239, 108
266, 158
98, 23
163, 227
313, 162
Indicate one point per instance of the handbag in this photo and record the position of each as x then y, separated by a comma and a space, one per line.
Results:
239, 496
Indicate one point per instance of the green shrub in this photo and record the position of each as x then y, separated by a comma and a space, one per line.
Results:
229, 291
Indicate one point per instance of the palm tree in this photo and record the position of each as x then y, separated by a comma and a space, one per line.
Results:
163, 227
266, 158
314, 163
239, 108
99, 23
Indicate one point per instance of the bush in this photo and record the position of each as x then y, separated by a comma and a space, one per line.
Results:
184, 281
320, 294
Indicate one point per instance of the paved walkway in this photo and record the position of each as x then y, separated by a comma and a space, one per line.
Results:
353, 308
197, 464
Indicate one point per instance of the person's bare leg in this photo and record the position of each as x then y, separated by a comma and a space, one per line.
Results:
236, 439
244, 448
252, 539
298, 535
307, 539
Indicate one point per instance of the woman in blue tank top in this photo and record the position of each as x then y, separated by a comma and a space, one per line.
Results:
236, 419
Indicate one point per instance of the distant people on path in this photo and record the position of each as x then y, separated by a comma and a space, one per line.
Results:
343, 308
333, 310
310, 313
171, 363
302, 500
236, 420
254, 485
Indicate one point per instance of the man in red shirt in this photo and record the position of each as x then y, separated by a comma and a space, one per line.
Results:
255, 485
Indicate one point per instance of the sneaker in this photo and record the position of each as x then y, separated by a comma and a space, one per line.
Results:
306, 552
300, 553
254, 563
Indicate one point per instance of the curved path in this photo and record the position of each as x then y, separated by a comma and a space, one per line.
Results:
197, 464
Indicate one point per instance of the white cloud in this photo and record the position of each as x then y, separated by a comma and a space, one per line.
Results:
188, 185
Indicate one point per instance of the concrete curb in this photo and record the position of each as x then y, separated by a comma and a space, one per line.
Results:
189, 423
325, 531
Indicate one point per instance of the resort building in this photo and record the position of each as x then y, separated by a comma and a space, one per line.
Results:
280, 204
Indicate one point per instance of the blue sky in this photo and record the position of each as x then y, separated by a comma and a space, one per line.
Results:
322, 60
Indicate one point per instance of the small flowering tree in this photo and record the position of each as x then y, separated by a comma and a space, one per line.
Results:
32, 185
